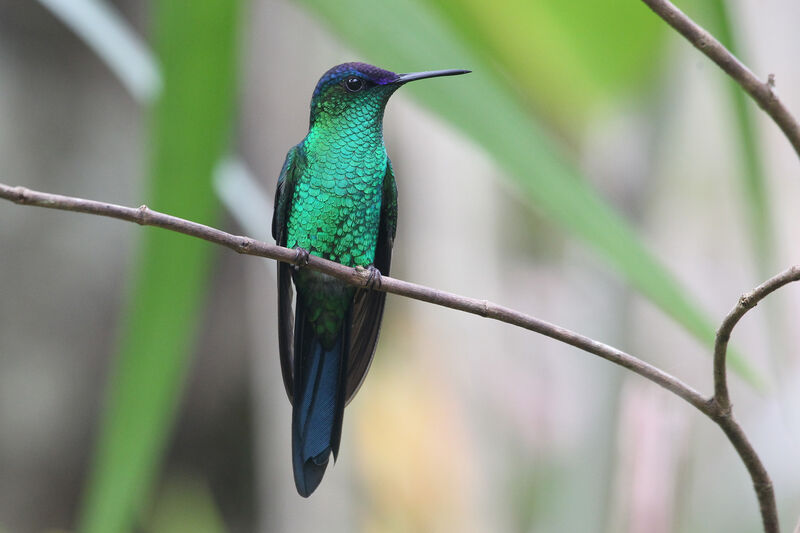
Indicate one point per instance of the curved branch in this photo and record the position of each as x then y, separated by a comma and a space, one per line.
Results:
245, 245
360, 277
762, 484
746, 302
762, 92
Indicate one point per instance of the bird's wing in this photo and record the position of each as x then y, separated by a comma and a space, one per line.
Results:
280, 217
368, 304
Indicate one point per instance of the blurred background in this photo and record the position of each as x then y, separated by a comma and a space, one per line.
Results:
594, 171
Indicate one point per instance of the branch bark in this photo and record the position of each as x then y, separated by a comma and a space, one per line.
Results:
244, 245
746, 302
761, 91
717, 408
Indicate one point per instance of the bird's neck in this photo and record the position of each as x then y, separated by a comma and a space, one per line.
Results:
346, 132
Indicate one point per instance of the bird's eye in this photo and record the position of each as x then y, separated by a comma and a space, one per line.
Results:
353, 84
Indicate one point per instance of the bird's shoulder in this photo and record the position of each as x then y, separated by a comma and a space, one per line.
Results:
291, 170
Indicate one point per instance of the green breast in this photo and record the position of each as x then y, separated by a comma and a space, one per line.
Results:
336, 205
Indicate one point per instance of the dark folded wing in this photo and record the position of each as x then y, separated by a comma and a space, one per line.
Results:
368, 304
285, 325
280, 216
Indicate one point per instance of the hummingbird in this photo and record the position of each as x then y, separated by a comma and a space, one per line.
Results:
337, 199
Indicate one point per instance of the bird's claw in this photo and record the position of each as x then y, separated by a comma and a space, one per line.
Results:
373, 276
301, 256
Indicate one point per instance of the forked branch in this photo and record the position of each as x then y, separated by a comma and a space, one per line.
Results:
722, 403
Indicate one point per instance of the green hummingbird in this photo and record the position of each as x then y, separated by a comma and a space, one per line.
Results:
336, 198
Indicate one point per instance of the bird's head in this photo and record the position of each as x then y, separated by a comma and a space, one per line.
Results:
359, 92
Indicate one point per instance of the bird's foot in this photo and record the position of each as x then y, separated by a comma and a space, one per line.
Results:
373, 276
301, 256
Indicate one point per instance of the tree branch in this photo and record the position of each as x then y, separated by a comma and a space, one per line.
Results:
762, 92
717, 411
761, 480
244, 245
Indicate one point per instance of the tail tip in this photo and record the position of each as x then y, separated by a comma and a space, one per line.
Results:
308, 477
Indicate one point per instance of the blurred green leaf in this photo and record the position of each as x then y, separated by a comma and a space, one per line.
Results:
196, 46
715, 16
488, 111
568, 57
185, 505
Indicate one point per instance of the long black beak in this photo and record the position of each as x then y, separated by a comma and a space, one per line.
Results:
411, 76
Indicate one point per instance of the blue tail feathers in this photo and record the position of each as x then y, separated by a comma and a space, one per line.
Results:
319, 397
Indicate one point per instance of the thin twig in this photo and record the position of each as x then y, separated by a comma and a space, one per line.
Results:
746, 302
360, 278
762, 484
761, 91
